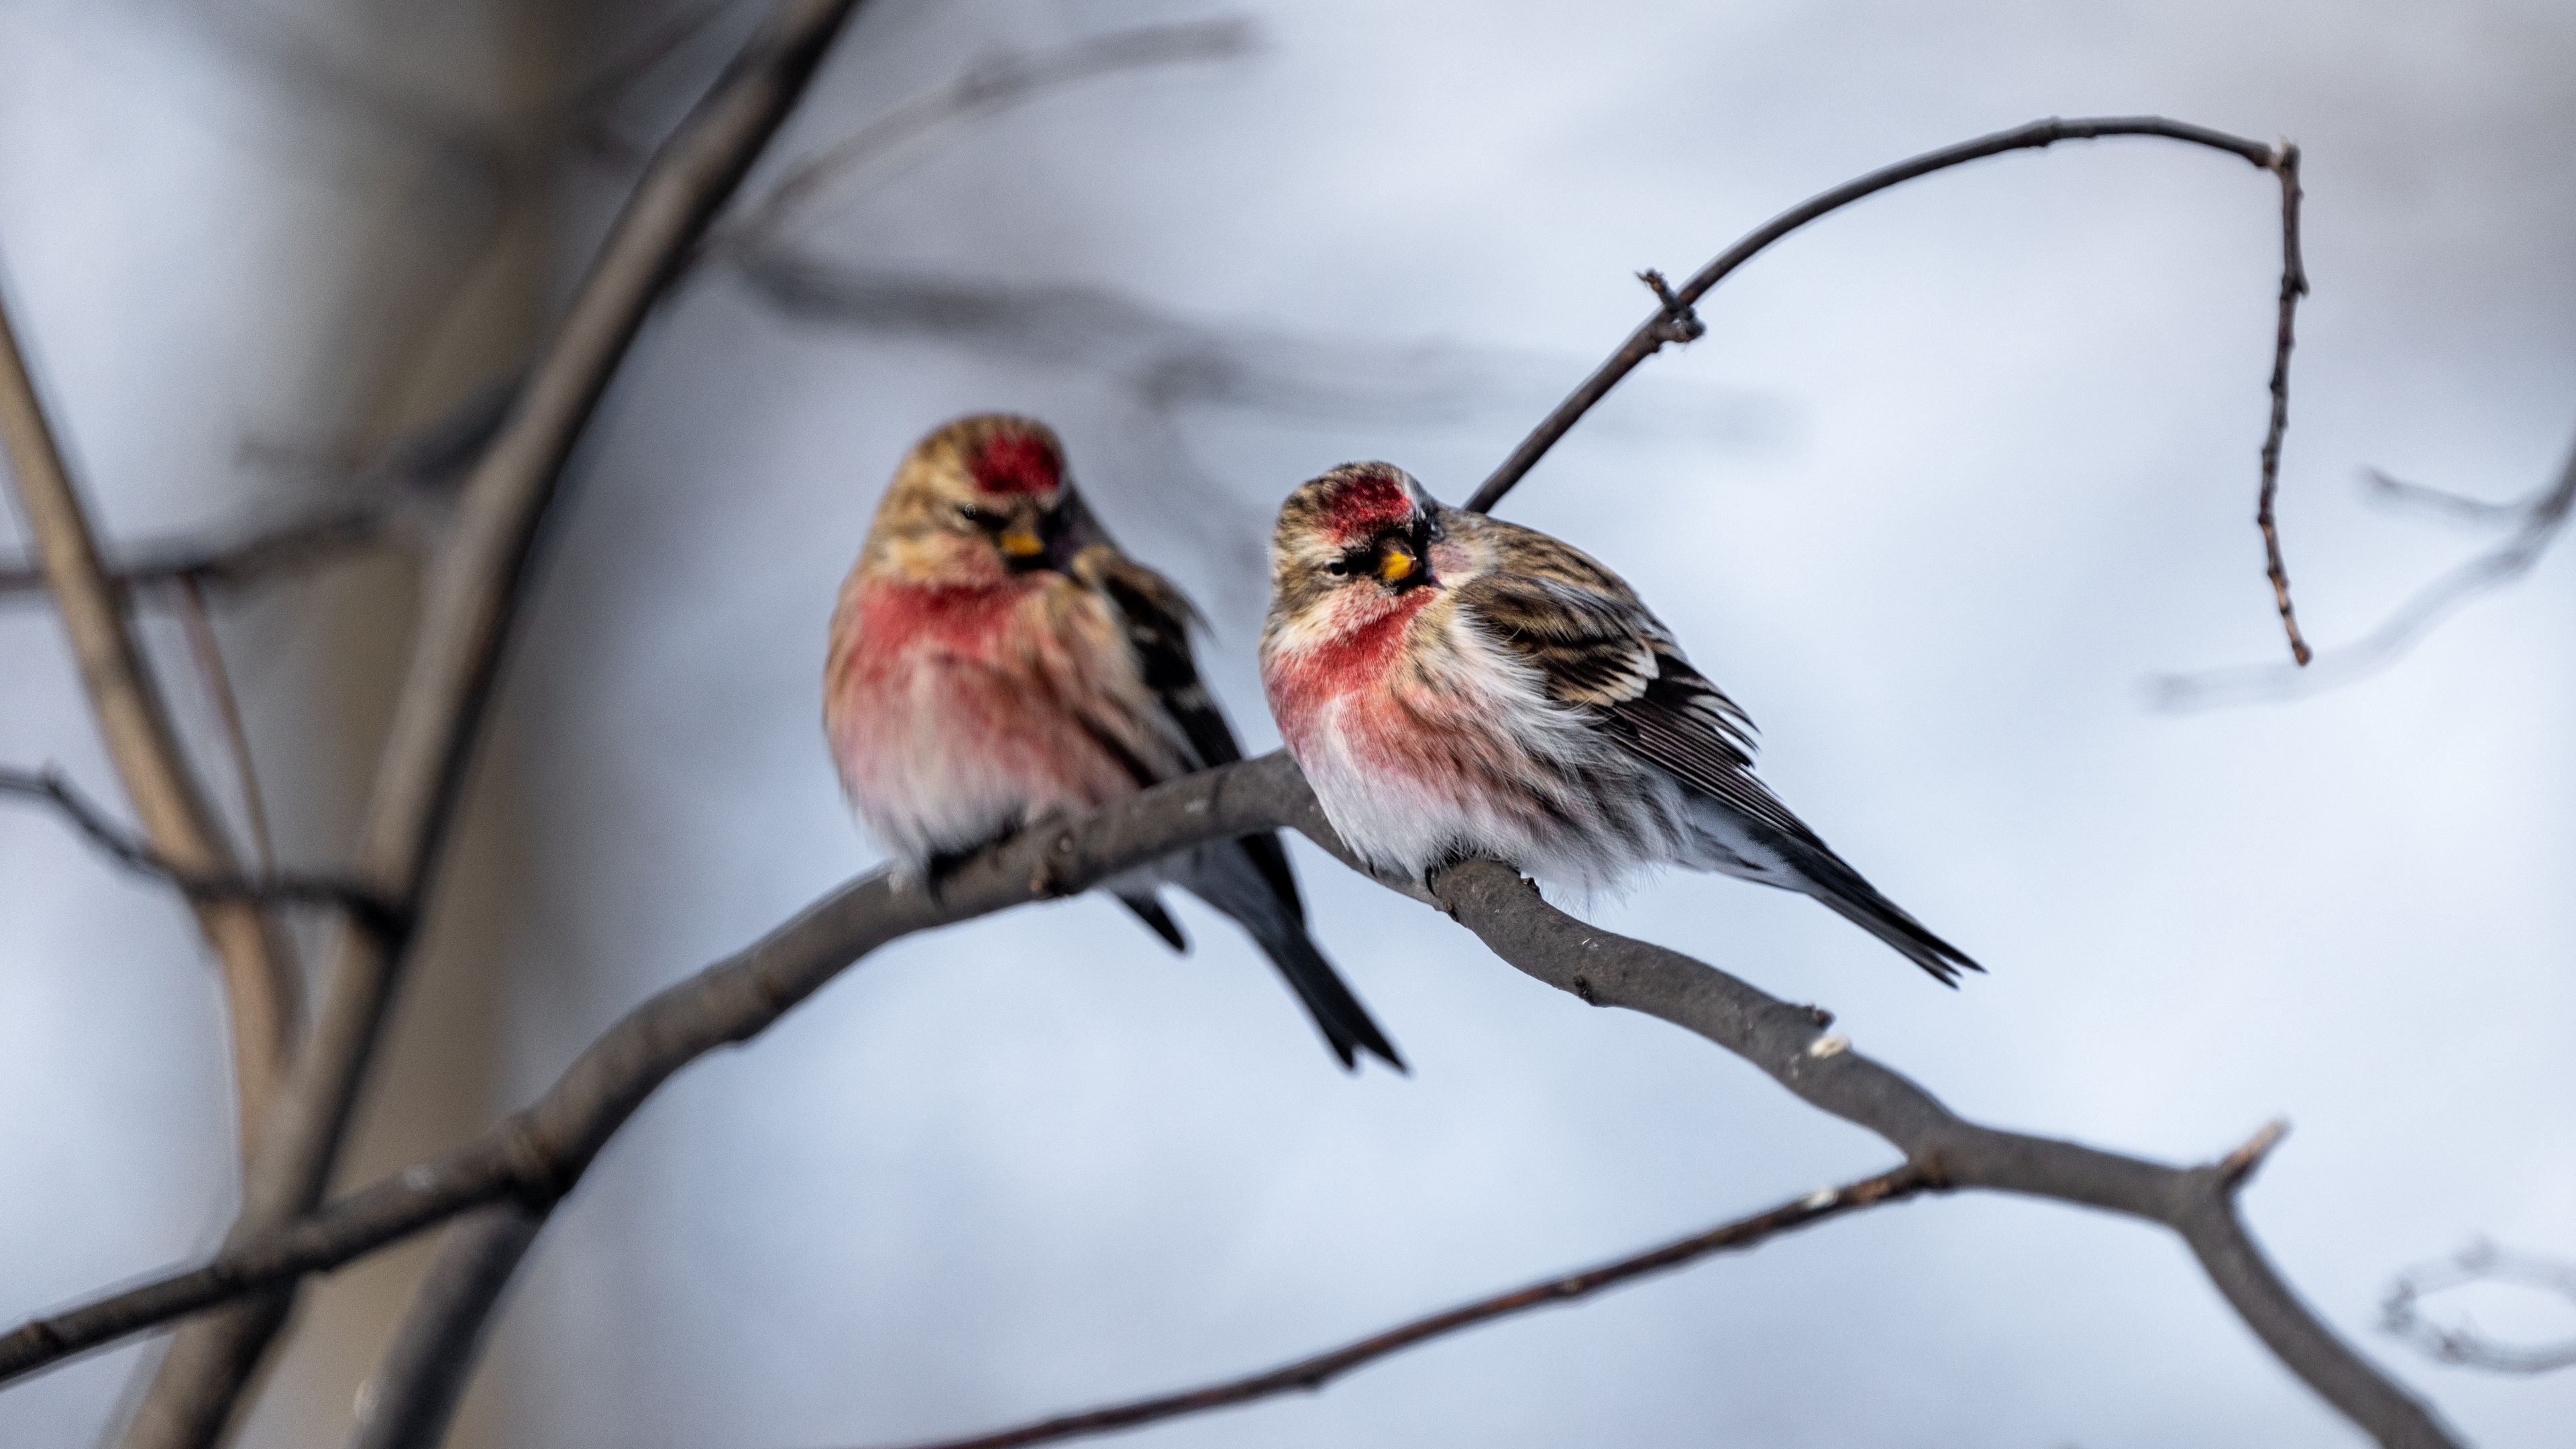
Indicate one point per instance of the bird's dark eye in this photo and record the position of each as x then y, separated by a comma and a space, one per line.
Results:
1337, 568
980, 517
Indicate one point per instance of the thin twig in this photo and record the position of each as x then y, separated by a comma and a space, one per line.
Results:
261, 987
2294, 285
472, 602
1316, 1370
2538, 522
2478, 1263
1674, 320
539, 1154
268, 887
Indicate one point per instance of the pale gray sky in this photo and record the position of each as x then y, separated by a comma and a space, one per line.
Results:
1982, 463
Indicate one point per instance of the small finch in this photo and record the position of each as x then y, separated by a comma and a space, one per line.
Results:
1456, 686
995, 659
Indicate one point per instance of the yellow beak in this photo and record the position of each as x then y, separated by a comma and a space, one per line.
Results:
1021, 541
1397, 565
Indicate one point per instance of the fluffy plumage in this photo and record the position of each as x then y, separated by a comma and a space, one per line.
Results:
995, 659
1454, 685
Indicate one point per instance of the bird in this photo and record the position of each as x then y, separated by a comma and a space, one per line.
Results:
994, 659
1455, 686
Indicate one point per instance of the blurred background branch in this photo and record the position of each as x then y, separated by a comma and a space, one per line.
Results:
471, 606
262, 985
265, 887
2532, 524
2402, 1310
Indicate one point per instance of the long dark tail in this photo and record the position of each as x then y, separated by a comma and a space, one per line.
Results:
1824, 875
1229, 878
1346, 1024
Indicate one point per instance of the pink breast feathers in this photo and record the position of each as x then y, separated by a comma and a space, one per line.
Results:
1352, 667
950, 717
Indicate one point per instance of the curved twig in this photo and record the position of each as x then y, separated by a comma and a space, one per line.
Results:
1675, 321
539, 1154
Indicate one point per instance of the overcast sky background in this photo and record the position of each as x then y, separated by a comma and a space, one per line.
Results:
1952, 477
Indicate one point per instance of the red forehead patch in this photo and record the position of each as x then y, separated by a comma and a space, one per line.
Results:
1365, 500
1016, 462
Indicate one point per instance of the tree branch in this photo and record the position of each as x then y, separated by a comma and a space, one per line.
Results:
1674, 321
473, 597
1787, 1043
261, 984
538, 1155
1317, 1370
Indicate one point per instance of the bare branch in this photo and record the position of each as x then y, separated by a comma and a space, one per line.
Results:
2537, 520
371, 910
1674, 320
1315, 1371
1822, 1069
472, 600
539, 1154
261, 984
2478, 1263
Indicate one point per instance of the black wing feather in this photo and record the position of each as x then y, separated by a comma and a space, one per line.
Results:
1607, 654
1595, 647
1158, 618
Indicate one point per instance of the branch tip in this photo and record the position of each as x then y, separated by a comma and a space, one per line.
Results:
2239, 1165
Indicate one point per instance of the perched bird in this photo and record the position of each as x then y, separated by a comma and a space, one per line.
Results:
994, 659
1457, 686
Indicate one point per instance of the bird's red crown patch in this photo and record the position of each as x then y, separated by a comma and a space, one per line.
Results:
1368, 498
1016, 462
